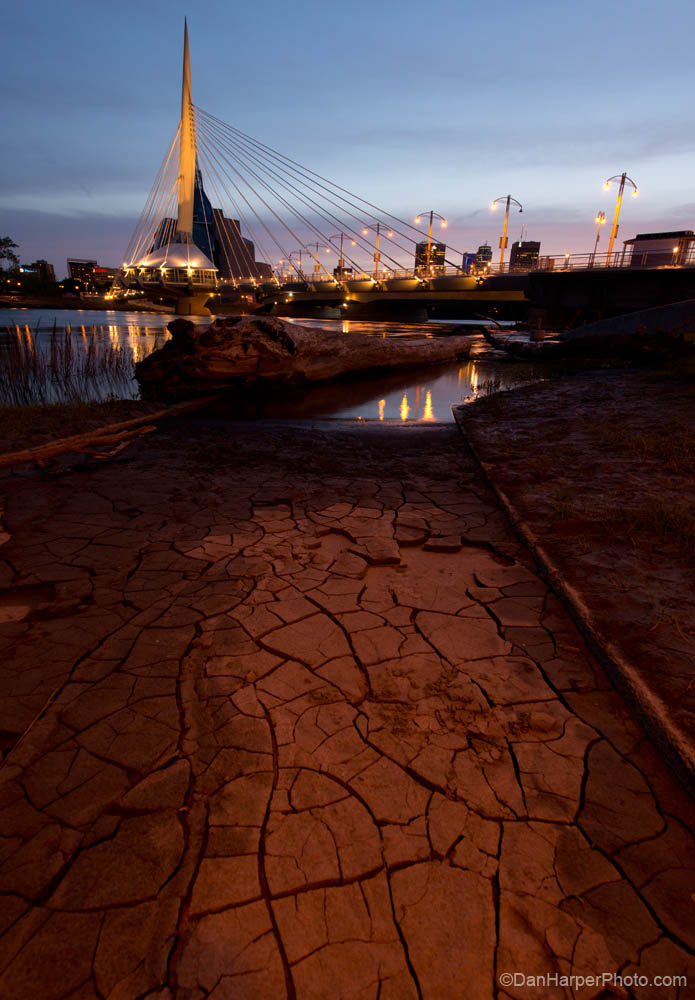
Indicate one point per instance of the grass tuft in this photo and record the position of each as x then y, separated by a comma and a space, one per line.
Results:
563, 503
672, 522
673, 445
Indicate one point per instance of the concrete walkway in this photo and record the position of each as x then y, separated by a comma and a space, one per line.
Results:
288, 713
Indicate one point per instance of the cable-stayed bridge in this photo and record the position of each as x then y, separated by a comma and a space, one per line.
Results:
231, 217
279, 230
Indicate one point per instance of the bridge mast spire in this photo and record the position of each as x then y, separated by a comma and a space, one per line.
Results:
187, 148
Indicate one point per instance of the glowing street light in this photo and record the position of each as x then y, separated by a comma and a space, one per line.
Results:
377, 255
443, 224
620, 179
295, 253
317, 264
600, 219
503, 238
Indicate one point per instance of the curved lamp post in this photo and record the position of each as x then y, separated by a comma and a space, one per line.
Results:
443, 224
621, 180
503, 238
600, 219
377, 255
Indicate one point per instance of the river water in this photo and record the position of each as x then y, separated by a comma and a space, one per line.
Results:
415, 395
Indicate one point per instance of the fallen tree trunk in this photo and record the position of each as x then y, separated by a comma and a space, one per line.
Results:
245, 351
108, 434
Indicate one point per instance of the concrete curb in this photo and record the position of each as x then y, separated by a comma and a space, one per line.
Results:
647, 706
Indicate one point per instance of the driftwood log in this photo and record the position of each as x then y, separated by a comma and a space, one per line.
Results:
92, 442
246, 350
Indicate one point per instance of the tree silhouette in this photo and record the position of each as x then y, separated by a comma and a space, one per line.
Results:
7, 251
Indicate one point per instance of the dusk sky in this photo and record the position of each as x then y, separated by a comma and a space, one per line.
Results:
414, 106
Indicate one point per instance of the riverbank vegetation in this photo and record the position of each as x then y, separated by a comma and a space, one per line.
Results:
39, 370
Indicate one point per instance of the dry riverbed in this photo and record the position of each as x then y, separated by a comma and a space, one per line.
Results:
286, 711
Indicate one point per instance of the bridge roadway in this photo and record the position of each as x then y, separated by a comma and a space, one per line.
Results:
460, 297
557, 297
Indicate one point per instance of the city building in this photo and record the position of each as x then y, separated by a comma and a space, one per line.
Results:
660, 249
40, 269
218, 237
81, 270
437, 256
524, 255
90, 274
483, 257
468, 262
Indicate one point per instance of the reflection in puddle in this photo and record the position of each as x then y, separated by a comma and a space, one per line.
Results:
423, 395
427, 413
420, 395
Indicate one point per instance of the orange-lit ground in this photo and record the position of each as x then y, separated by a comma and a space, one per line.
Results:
289, 713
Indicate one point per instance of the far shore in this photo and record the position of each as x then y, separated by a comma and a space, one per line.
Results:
70, 302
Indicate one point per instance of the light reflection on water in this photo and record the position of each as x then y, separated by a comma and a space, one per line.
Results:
141, 332
422, 395
416, 395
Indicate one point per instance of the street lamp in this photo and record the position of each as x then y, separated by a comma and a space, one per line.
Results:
377, 255
443, 224
341, 262
621, 179
503, 238
317, 265
600, 219
295, 253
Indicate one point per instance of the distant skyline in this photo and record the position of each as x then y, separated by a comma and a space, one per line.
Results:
413, 107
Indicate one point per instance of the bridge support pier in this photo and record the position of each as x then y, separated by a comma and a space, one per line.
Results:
193, 305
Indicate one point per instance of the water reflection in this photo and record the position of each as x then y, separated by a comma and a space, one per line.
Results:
395, 397
381, 398
374, 328
427, 412
423, 395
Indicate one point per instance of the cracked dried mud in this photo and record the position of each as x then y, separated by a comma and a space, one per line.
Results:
287, 712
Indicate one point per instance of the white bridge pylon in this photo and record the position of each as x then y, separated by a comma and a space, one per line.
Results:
275, 221
187, 146
163, 256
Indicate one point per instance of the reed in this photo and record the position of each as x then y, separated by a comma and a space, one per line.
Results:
40, 370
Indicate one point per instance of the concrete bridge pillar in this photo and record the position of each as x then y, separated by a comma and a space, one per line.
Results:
193, 305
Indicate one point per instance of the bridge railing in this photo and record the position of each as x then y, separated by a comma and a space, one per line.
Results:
676, 258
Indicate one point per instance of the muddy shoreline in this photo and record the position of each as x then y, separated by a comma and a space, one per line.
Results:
598, 473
